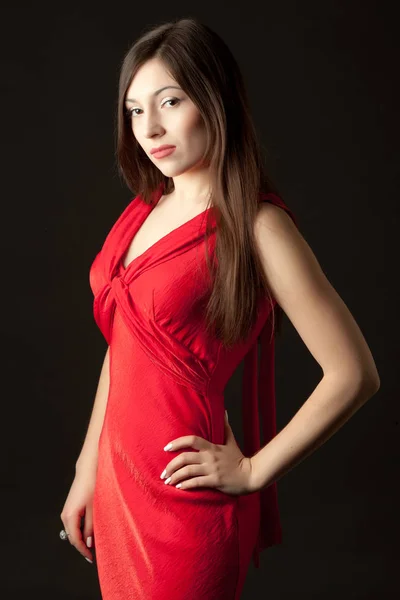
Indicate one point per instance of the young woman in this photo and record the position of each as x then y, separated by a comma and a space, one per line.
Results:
194, 272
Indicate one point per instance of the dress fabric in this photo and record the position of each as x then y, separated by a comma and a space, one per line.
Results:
167, 379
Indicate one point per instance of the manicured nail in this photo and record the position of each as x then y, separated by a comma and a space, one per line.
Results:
168, 446
88, 559
163, 474
89, 541
167, 480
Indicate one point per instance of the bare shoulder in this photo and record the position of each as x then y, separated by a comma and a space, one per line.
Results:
282, 248
300, 286
271, 216
291, 268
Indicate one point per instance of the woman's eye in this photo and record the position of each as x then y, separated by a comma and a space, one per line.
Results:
170, 100
130, 112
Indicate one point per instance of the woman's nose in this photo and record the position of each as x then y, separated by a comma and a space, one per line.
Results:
152, 127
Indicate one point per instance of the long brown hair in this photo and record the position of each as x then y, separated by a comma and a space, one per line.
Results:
204, 67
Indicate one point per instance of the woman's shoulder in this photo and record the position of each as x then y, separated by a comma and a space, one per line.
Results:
272, 206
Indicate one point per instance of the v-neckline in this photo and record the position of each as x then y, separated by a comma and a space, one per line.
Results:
131, 237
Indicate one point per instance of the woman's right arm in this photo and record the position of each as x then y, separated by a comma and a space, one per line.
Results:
88, 457
79, 502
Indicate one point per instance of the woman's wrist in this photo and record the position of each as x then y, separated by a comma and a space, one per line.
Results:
86, 462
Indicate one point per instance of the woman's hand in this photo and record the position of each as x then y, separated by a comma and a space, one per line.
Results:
79, 505
221, 466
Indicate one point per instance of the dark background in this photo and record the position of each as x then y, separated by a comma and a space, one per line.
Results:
323, 83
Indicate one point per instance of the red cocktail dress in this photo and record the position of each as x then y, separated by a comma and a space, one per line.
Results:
167, 378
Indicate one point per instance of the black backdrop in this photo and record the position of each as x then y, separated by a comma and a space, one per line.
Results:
323, 86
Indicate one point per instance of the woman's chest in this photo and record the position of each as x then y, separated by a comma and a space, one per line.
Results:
159, 226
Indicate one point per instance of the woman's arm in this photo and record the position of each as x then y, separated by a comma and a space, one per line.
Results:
88, 456
332, 336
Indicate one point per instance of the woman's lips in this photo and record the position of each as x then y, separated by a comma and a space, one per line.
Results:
162, 153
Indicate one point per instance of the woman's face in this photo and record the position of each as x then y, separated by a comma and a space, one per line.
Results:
165, 117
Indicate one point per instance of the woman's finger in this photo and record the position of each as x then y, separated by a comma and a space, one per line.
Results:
192, 470
72, 524
88, 528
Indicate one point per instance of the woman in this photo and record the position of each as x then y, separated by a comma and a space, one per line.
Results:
194, 271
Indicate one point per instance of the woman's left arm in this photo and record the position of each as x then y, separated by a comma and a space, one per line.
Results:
332, 336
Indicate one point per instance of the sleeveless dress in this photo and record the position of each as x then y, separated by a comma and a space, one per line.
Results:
167, 378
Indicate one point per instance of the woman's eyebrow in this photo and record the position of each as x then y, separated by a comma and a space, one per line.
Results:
156, 92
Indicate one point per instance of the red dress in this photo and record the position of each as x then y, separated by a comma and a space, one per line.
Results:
167, 378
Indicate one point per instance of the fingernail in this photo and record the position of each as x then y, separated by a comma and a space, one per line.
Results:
168, 446
88, 559
89, 541
163, 474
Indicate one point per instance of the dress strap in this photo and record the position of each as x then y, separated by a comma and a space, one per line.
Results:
259, 390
